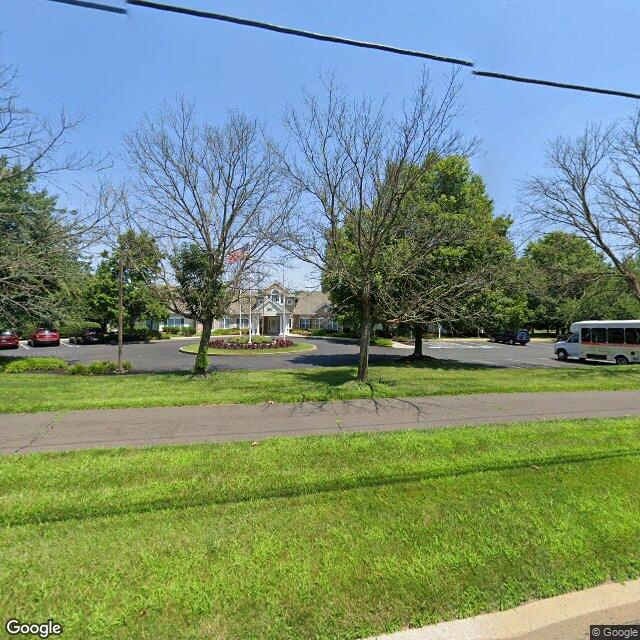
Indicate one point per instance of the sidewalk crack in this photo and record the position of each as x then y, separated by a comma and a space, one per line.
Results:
57, 418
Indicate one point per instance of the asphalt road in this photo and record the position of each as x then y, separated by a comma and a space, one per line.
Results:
165, 355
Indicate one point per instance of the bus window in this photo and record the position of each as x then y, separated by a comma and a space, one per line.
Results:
632, 336
615, 336
598, 334
573, 338
586, 335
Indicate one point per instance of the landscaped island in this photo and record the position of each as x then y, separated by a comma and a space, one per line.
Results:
259, 345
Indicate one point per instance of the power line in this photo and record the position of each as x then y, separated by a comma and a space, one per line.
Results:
297, 32
93, 5
347, 41
559, 85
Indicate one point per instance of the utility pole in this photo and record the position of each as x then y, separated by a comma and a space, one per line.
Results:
120, 313
284, 306
249, 310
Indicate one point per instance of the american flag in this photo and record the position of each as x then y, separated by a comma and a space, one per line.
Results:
236, 255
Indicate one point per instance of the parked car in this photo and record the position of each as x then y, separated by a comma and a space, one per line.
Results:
44, 336
511, 337
9, 339
88, 336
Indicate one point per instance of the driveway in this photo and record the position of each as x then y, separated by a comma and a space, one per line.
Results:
330, 352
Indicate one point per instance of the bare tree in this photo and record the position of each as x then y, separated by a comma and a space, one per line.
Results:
351, 166
212, 196
593, 188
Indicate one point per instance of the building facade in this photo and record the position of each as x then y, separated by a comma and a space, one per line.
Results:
276, 311
272, 311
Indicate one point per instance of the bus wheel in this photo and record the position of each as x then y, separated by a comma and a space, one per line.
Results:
562, 354
621, 360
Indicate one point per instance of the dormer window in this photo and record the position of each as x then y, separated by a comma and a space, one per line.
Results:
275, 296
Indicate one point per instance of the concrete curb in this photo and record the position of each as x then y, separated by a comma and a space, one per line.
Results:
567, 616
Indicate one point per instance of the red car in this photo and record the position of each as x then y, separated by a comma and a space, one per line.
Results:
9, 339
42, 336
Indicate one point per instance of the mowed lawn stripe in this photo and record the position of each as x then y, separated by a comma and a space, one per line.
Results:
339, 563
62, 486
50, 392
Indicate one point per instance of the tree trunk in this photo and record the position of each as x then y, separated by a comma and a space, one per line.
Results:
417, 342
202, 359
365, 337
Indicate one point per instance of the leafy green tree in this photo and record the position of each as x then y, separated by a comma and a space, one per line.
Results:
40, 264
142, 296
463, 259
565, 277
448, 259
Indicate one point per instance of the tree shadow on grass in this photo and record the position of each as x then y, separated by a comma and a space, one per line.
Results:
334, 377
314, 487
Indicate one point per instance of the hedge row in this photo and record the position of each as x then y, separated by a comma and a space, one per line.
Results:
29, 365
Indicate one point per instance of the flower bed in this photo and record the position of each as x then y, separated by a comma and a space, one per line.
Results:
276, 343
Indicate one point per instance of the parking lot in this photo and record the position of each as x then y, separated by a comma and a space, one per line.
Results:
331, 352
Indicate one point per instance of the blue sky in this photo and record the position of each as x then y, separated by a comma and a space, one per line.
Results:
114, 67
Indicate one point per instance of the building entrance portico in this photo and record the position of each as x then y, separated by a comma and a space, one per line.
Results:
270, 325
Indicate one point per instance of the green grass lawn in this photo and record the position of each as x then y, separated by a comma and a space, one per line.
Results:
318, 537
40, 392
294, 348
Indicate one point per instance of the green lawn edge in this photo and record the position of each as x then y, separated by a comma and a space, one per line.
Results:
31, 392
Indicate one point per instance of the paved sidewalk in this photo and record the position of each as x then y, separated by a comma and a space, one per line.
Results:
565, 617
27, 432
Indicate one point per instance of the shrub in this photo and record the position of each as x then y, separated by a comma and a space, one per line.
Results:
98, 367
173, 331
326, 332
301, 332
245, 340
187, 331
74, 328
229, 332
24, 365
259, 342
141, 334
381, 342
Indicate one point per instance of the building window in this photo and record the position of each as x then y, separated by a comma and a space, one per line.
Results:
320, 322
175, 321
290, 322
305, 323
275, 296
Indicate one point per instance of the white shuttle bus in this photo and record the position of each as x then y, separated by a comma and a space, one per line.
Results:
611, 340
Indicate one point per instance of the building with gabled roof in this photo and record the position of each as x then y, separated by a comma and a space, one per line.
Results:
275, 310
